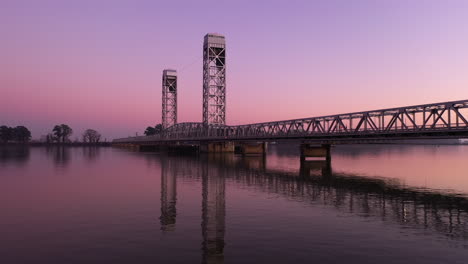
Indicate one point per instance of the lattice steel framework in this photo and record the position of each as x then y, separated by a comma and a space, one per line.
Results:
169, 98
214, 80
439, 120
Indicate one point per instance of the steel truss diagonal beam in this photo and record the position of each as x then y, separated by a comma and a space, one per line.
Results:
214, 80
439, 120
169, 98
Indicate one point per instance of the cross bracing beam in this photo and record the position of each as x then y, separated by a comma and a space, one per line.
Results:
169, 98
214, 80
439, 120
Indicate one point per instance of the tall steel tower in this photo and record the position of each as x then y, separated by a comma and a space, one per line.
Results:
169, 98
214, 79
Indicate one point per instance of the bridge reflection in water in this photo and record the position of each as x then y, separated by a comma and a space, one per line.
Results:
315, 183
168, 195
213, 212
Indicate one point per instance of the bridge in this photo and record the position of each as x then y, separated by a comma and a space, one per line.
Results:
439, 120
428, 121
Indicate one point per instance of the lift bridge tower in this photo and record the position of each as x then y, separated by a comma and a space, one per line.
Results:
169, 98
214, 80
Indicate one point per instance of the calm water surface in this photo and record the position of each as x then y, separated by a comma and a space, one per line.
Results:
374, 204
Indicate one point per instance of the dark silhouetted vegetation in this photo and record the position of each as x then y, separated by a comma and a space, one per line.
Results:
6, 133
158, 128
62, 133
153, 130
150, 131
14, 134
91, 136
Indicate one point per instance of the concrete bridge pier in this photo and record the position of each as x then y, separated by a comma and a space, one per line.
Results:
314, 151
217, 147
249, 148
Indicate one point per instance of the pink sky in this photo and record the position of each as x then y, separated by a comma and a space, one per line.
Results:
98, 64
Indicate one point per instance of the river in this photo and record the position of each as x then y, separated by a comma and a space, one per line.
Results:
372, 204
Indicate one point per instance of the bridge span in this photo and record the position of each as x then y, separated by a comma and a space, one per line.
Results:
429, 121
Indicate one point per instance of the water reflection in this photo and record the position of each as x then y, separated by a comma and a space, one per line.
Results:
373, 198
363, 196
168, 194
213, 208
255, 162
91, 153
113, 200
59, 154
14, 154
315, 167
213, 199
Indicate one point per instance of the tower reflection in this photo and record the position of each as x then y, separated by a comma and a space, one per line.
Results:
212, 174
213, 208
168, 194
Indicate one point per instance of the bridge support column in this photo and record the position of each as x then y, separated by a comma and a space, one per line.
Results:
217, 147
312, 151
253, 148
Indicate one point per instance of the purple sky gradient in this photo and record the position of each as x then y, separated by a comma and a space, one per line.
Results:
98, 64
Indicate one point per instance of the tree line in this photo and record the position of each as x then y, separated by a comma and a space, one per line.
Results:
14, 134
59, 134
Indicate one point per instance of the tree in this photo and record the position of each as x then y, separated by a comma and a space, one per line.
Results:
158, 128
150, 131
6, 133
91, 136
57, 131
62, 132
21, 134
153, 130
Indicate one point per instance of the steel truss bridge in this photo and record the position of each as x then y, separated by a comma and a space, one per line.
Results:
428, 121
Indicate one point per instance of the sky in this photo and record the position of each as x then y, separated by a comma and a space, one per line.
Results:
98, 64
